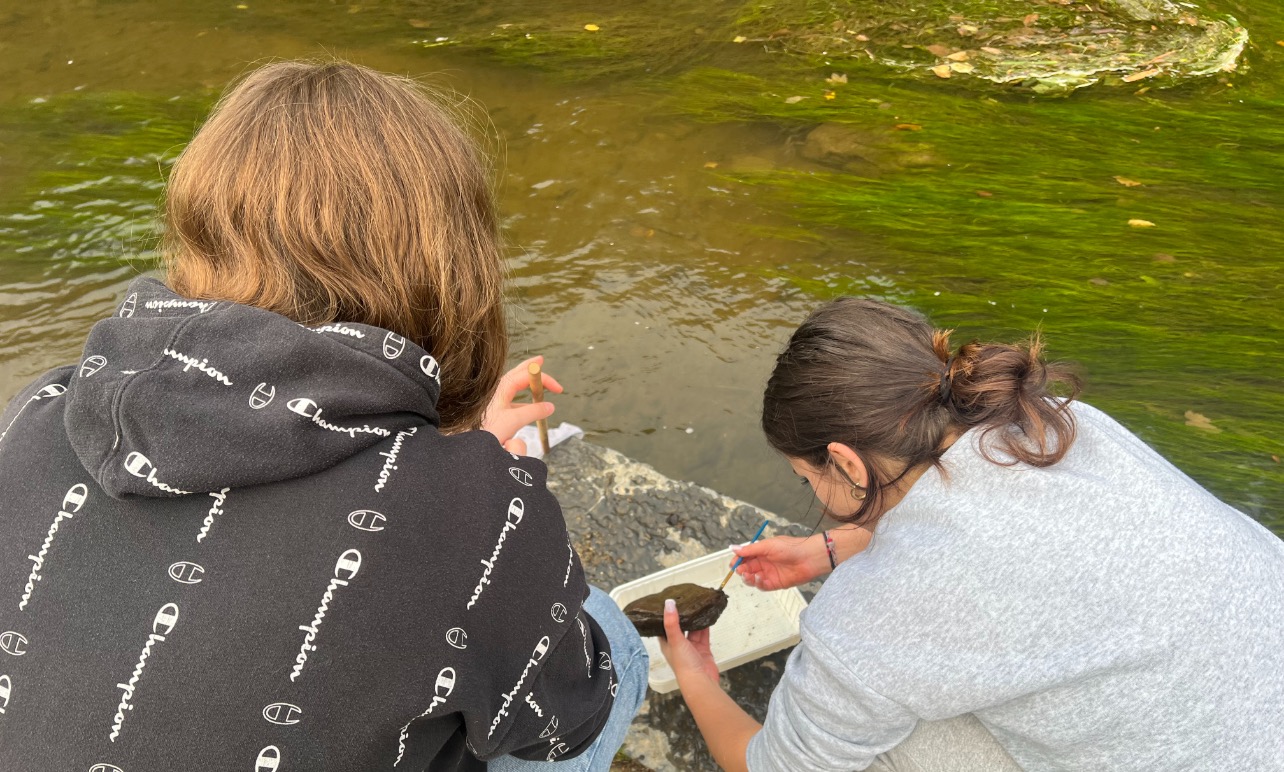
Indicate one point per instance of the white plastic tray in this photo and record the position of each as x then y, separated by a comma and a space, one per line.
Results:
755, 624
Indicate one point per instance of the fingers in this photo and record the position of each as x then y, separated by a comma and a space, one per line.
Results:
506, 422
518, 379
699, 639
516, 446
672, 622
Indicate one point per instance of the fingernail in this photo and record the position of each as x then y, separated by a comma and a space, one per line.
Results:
670, 605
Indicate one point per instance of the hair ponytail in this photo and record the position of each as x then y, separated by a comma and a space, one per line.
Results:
879, 379
1010, 391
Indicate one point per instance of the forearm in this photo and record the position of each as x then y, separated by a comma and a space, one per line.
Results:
726, 727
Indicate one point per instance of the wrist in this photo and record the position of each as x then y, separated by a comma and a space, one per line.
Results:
849, 541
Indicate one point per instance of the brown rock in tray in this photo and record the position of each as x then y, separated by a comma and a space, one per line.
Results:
698, 608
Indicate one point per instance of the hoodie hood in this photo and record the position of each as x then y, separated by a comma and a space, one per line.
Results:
176, 396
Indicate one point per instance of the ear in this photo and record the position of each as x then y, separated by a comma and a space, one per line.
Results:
850, 462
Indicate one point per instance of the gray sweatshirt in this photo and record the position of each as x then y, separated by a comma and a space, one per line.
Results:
1106, 613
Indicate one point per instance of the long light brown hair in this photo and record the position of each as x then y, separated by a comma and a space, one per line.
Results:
881, 380
330, 192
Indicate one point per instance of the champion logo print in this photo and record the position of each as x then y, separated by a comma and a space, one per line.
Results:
200, 364
393, 345
588, 658
92, 365
216, 509
269, 759
520, 475
283, 713
536, 657
13, 643
6, 690
441, 690
516, 508
603, 660
141, 466
186, 572
558, 613
530, 700
71, 503
556, 750
162, 625
456, 637
366, 520
161, 305
262, 396
340, 329
570, 561
105, 768
430, 367
345, 570
549, 730
127, 308
312, 411
52, 390
390, 456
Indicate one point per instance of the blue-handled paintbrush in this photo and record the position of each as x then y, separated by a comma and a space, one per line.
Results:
732, 572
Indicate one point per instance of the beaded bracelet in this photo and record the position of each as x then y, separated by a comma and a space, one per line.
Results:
829, 550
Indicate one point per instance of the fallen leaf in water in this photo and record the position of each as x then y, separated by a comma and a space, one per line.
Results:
962, 67
836, 77
1136, 76
937, 49
992, 51
1141, 90
739, 39
830, 95
985, 194
958, 56
1160, 257
1127, 183
1279, 42
711, 164
1030, 19
1098, 282
1200, 421
941, 71
591, 27
1161, 57
1274, 457
967, 30
1141, 223
793, 100
863, 38
419, 23
909, 127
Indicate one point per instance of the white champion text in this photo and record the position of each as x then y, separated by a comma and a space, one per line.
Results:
140, 466
163, 304
341, 329
391, 455
217, 509
162, 626
312, 411
203, 365
38, 560
349, 563
444, 686
515, 511
541, 649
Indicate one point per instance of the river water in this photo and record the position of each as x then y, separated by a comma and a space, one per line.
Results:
669, 226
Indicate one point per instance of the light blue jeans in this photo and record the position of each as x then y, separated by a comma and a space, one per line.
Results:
632, 666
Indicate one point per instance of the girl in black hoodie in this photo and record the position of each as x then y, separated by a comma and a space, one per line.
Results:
256, 526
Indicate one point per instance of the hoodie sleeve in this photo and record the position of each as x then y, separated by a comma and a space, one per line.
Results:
544, 679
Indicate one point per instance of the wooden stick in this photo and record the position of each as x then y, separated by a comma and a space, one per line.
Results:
537, 394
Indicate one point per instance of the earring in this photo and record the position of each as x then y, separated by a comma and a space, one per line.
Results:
858, 492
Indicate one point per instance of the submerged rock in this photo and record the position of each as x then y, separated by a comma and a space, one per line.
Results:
698, 608
1053, 47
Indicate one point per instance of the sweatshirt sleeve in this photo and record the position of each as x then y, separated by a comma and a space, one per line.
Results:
823, 718
570, 701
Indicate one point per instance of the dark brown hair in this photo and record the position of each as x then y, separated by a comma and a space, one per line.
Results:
881, 380
331, 192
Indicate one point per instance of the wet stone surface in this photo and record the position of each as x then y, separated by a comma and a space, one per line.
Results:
628, 520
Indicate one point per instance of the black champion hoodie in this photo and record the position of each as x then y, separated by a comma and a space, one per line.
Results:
228, 541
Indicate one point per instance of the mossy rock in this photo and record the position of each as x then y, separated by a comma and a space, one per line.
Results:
1051, 47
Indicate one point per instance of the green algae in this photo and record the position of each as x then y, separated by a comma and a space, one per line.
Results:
98, 169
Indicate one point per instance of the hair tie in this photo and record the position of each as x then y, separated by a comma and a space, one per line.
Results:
947, 380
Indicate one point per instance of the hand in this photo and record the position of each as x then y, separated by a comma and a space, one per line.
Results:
504, 417
688, 654
782, 561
